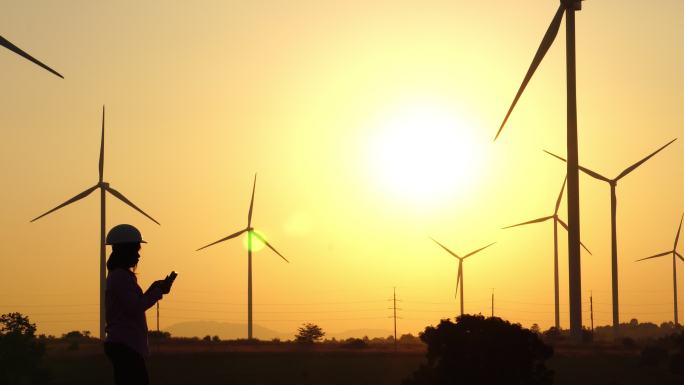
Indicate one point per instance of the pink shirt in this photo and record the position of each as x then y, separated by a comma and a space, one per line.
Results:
125, 305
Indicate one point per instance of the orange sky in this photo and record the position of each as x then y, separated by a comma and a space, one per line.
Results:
308, 94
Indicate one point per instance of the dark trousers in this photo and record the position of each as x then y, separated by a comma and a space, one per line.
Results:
129, 365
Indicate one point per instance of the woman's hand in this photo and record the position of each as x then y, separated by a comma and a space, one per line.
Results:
165, 286
162, 285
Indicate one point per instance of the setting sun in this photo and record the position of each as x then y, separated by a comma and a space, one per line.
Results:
424, 153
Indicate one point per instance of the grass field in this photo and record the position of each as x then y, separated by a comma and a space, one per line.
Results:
255, 366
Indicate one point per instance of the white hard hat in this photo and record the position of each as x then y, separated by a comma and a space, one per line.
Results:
124, 234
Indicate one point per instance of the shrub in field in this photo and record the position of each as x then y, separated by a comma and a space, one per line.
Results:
309, 333
409, 339
74, 338
154, 335
482, 351
553, 334
21, 354
354, 343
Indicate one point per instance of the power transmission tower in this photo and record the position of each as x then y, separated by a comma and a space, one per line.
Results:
394, 315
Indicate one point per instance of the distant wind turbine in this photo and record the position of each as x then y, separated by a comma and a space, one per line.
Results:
250, 232
459, 277
104, 187
674, 267
556, 221
574, 266
7, 44
613, 221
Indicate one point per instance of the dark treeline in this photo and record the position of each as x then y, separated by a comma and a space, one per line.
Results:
469, 350
632, 332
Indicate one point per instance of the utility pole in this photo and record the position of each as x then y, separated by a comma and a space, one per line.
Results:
591, 311
157, 316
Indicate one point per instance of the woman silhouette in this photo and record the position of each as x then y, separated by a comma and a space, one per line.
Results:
125, 304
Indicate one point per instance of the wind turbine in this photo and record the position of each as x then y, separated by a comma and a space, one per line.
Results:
575, 275
250, 233
459, 277
674, 267
613, 221
7, 44
104, 187
556, 221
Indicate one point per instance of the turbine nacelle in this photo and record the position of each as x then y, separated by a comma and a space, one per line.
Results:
576, 4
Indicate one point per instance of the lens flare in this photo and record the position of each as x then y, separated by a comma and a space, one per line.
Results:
257, 244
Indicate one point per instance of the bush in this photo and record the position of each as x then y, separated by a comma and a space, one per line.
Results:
21, 354
75, 337
354, 343
309, 333
409, 339
156, 336
479, 351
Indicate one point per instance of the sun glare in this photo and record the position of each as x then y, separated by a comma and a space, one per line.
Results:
424, 154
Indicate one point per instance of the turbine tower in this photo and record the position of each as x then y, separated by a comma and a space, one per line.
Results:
575, 275
556, 221
7, 44
613, 222
104, 187
674, 267
459, 277
250, 233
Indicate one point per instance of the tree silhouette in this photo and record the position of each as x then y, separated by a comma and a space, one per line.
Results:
309, 333
482, 351
21, 353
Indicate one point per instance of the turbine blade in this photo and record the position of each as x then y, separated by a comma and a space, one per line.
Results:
251, 204
126, 201
445, 248
231, 236
7, 44
679, 230
679, 255
584, 169
565, 226
542, 219
560, 196
477, 251
655, 256
269, 245
70, 201
639, 163
101, 163
458, 278
546, 43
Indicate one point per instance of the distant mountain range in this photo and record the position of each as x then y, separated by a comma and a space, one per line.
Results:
231, 331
